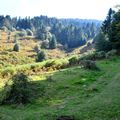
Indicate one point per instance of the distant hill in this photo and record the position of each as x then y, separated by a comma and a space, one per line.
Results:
70, 33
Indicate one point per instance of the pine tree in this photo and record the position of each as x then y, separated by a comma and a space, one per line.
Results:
16, 47
41, 56
114, 34
102, 43
106, 26
53, 43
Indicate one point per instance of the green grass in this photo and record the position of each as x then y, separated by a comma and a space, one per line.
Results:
84, 94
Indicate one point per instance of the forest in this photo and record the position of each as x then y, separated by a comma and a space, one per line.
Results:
68, 32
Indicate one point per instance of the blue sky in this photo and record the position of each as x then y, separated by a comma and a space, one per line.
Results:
86, 9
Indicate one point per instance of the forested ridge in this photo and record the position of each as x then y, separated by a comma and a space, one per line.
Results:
69, 32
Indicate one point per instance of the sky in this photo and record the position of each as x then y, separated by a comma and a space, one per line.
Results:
84, 9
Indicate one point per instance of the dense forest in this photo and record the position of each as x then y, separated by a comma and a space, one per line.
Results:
69, 32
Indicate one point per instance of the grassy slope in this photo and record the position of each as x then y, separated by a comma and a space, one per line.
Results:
26, 55
87, 95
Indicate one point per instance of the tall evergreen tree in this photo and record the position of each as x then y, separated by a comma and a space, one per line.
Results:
102, 42
106, 26
114, 34
53, 42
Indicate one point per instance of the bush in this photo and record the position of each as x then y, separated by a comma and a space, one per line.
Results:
19, 92
73, 60
22, 33
8, 72
37, 48
16, 47
45, 44
41, 56
50, 63
29, 32
94, 56
100, 55
111, 53
88, 57
57, 64
89, 64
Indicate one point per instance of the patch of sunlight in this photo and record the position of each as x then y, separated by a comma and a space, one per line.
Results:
37, 78
54, 102
40, 77
83, 79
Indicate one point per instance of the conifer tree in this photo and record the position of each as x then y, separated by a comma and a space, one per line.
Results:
53, 42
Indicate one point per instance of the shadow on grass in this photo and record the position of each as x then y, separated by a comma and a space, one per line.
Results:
57, 90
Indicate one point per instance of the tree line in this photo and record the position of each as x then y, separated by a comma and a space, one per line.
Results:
109, 35
69, 32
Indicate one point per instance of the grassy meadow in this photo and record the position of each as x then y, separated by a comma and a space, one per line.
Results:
84, 94
60, 90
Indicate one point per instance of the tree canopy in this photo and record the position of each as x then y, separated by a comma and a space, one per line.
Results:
70, 32
110, 36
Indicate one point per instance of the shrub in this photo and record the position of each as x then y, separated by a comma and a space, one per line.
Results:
88, 57
16, 47
100, 55
29, 32
64, 64
37, 48
93, 56
89, 64
57, 64
73, 60
19, 92
50, 64
22, 33
41, 56
111, 53
45, 44
8, 72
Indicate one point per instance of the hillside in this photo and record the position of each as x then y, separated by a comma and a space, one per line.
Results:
27, 54
60, 69
70, 33
84, 94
